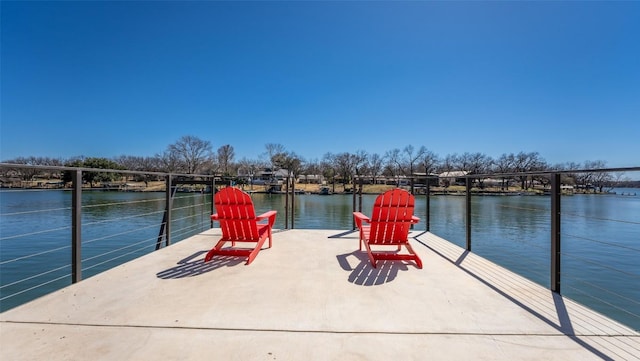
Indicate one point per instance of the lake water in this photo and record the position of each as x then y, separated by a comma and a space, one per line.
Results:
600, 236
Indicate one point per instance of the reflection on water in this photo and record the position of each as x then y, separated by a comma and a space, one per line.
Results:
600, 235
35, 235
600, 238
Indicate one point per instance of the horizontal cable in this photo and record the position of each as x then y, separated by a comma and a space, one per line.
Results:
119, 249
33, 255
524, 260
113, 259
123, 203
27, 190
599, 218
175, 220
121, 218
578, 291
582, 281
525, 208
34, 233
188, 206
109, 236
35, 211
34, 287
525, 241
36, 276
186, 230
567, 255
193, 195
603, 242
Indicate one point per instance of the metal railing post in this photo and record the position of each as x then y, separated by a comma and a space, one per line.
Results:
286, 203
468, 213
353, 204
213, 194
428, 205
360, 185
293, 204
555, 232
76, 227
168, 204
412, 185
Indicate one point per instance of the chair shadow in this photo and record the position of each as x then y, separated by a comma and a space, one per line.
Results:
194, 265
364, 274
345, 233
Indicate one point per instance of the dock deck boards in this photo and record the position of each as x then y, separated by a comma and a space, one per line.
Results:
313, 296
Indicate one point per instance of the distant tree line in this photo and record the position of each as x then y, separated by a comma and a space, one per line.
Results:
192, 155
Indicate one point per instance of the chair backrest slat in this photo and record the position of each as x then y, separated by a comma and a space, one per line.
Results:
236, 214
391, 217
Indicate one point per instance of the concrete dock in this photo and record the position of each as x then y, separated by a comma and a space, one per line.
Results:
313, 296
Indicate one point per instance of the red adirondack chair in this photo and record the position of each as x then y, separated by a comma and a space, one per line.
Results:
239, 223
389, 225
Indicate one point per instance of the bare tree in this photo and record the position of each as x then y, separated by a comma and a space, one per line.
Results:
449, 163
571, 178
289, 161
249, 168
345, 166
134, 163
479, 163
329, 168
311, 167
464, 161
359, 163
411, 158
273, 149
191, 153
393, 164
598, 179
26, 174
429, 161
505, 164
376, 163
169, 162
225, 158
527, 162
619, 177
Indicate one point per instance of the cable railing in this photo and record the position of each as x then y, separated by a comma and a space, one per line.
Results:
578, 240
571, 239
54, 237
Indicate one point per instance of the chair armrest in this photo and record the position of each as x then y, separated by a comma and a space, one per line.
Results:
270, 216
415, 219
359, 217
214, 217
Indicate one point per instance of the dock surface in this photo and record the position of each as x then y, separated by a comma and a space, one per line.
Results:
313, 296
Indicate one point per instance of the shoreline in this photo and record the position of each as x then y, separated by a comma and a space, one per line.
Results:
303, 188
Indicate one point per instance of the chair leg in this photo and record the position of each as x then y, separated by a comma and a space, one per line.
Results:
252, 256
370, 253
213, 250
415, 255
254, 252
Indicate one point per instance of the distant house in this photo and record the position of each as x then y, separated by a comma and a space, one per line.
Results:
269, 176
422, 179
310, 179
452, 178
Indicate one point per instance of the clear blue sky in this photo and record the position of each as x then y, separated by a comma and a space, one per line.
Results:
105, 79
